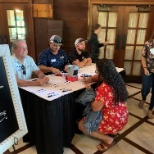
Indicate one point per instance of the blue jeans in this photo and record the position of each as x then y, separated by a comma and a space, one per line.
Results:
147, 82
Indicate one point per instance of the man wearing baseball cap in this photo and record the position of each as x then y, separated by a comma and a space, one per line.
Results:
79, 56
53, 59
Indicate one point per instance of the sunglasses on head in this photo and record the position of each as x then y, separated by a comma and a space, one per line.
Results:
57, 41
23, 69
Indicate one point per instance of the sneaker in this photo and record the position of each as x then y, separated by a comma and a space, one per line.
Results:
150, 114
140, 104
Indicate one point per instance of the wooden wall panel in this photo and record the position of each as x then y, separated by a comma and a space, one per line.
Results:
74, 14
44, 28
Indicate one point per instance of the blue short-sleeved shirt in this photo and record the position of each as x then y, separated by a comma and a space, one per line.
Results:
47, 58
29, 65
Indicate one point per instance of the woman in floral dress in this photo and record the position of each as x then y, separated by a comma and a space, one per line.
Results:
111, 96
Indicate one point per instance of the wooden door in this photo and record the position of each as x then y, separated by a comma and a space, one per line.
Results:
16, 23
126, 28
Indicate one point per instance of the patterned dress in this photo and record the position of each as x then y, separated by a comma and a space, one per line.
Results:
115, 117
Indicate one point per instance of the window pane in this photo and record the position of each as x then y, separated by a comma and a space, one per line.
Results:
143, 20
102, 19
136, 68
133, 20
112, 21
138, 54
131, 36
101, 35
20, 18
13, 34
11, 18
101, 53
21, 33
129, 52
141, 36
109, 51
111, 35
127, 66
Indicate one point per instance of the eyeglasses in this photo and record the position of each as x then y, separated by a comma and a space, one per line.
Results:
23, 69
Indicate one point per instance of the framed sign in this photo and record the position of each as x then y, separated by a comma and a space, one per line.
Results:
12, 119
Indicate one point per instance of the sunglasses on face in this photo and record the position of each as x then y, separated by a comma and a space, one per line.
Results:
23, 69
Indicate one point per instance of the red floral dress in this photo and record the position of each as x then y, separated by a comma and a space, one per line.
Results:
114, 118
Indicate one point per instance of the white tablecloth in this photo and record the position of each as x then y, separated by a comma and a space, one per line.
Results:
58, 86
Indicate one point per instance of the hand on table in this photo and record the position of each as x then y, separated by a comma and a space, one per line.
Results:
55, 71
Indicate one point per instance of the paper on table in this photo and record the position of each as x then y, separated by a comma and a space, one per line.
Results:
58, 86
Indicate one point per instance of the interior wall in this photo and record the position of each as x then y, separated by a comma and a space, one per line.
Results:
73, 14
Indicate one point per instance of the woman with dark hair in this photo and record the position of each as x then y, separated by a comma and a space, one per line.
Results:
148, 74
111, 96
94, 43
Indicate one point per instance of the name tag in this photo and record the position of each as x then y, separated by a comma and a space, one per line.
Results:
53, 60
61, 57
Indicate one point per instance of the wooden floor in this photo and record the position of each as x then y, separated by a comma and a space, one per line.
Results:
137, 137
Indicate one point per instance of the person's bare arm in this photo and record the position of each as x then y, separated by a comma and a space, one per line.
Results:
36, 82
39, 74
46, 69
97, 105
91, 79
80, 63
89, 62
143, 61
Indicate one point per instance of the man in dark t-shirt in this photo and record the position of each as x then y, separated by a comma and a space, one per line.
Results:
79, 56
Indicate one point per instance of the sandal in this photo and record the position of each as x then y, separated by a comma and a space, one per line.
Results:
105, 146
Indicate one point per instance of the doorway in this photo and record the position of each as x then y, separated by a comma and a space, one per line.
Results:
125, 28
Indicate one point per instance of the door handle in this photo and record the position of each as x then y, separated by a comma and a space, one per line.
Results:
123, 41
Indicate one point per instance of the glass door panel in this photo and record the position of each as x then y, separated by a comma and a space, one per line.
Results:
127, 66
136, 68
110, 51
102, 19
131, 36
132, 23
141, 36
101, 53
129, 52
108, 21
102, 35
138, 55
112, 21
111, 34
143, 20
